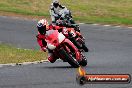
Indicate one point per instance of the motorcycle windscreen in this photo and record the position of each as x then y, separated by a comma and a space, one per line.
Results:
52, 37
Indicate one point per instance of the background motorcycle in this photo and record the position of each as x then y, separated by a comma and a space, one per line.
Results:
76, 38
65, 19
64, 49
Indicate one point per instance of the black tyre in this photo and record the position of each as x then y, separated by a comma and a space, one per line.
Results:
69, 59
84, 47
84, 61
76, 43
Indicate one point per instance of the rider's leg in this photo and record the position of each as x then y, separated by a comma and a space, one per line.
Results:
51, 56
53, 19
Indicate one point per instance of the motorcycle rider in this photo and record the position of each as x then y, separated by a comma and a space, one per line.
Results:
54, 10
42, 27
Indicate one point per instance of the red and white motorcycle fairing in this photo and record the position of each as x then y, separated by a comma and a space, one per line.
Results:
57, 41
76, 38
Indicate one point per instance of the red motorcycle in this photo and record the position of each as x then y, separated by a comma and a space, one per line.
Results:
64, 49
76, 38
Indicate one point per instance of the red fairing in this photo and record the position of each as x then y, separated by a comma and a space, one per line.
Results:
57, 27
75, 49
51, 26
52, 37
42, 37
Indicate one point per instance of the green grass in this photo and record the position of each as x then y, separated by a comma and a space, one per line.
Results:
9, 54
89, 11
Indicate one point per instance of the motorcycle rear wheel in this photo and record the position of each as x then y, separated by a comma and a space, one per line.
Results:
84, 60
83, 45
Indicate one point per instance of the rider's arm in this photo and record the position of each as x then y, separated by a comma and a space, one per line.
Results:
52, 12
41, 41
62, 7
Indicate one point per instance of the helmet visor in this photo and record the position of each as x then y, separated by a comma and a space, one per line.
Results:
55, 4
42, 30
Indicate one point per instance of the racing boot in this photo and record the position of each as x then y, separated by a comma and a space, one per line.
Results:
52, 59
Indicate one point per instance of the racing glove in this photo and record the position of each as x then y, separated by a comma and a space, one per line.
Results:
44, 49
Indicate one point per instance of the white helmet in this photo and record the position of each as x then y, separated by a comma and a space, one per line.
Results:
42, 26
55, 1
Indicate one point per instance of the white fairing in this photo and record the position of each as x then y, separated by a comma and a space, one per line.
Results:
50, 46
61, 37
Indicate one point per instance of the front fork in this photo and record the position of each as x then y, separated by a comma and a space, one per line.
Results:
73, 47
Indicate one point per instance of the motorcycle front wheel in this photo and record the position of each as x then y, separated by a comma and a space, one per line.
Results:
69, 58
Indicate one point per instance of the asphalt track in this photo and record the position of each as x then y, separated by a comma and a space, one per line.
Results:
110, 52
